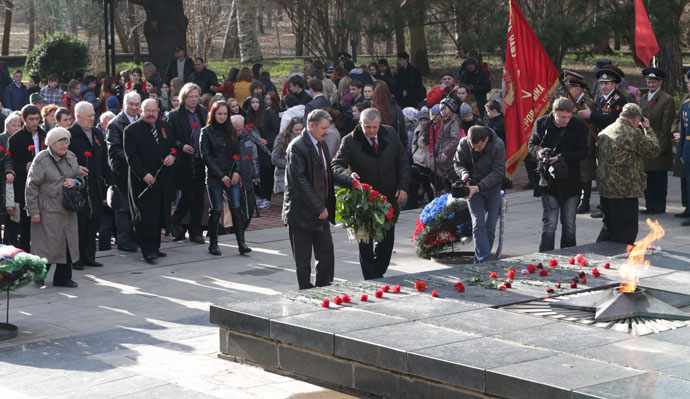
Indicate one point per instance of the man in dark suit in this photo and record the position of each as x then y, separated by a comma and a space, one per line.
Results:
118, 163
179, 67
88, 144
203, 77
319, 101
190, 172
408, 81
374, 153
24, 146
309, 202
148, 148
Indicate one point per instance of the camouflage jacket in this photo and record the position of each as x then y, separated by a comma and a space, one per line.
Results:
621, 152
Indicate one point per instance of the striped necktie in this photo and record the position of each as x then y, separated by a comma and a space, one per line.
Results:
154, 132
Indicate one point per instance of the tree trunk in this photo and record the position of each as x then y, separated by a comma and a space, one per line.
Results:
135, 32
670, 60
399, 38
250, 51
231, 44
120, 30
299, 33
260, 19
8, 25
419, 55
165, 27
32, 24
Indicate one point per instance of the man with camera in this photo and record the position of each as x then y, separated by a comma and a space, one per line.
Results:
559, 143
480, 161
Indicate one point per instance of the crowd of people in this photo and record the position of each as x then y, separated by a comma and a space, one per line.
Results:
136, 144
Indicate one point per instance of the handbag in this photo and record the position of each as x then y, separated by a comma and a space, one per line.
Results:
72, 200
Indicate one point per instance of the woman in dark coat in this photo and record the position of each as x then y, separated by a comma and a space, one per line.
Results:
220, 153
267, 122
391, 114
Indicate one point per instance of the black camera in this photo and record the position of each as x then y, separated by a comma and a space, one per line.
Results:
543, 166
460, 189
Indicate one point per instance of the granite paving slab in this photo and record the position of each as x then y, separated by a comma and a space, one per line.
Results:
677, 281
488, 321
551, 378
681, 371
416, 307
640, 352
643, 386
464, 363
387, 346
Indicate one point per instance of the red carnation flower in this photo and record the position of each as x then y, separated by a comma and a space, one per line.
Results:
550, 290
607, 265
573, 284
596, 272
374, 193
584, 279
396, 289
326, 303
553, 262
508, 284
531, 268
581, 274
434, 293
372, 199
364, 298
194, 125
543, 272
386, 288
389, 215
87, 154
249, 127
365, 186
384, 199
583, 262
379, 294
493, 275
8, 153
460, 287
337, 300
246, 158
236, 157
502, 288
173, 151
558, 284
540, 266
346, 298
355, 183
420, 286
2, 148
511, 274
31, 147
576, 279
571, 261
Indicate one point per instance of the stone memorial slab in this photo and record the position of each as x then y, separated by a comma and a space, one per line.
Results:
387, 346
640, 352
677, 281
648, 385
488, 321
680, 371
416, 307
464, 363
316, 330
552, 378
562, 336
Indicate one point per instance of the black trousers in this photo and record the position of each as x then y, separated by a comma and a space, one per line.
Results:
63, 271
655, 193
123, 219
374, 258
106, 229
147, 231
24, 229
302, 242
88, 227
620, 220
266, 185
11, 236
192, 199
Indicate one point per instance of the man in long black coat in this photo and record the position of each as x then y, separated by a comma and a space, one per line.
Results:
408, 82
190, 172
374, 153
88, 144
309, 202
23, 146
148, 147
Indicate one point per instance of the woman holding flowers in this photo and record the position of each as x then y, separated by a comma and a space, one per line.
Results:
220, 153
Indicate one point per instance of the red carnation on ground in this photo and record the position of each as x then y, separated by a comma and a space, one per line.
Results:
379, 294
173, 151
573, 284
364, 297
420, 286
365, 186
396, 289
493, 275
553, 263
511, 274
571, 261
502, 288
346, 298
607, 265
194, 125
460, 287
531, 268
87, 154
540, 266
584, 279
508, 284
558, 284
337, 300
31, 147
434, 293
583, 262
596, 272
246, 158
326, 303
386, 288
236, 157
550, 290
543, 272
581, 274
374, 193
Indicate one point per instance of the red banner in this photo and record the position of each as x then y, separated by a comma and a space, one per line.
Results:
646, 45
530, 78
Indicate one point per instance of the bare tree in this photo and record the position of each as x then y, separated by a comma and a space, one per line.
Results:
231, 42
247, 29
9, 5
165, 28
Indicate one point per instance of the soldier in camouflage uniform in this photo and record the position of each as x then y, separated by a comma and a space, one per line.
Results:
621, 150
660, 108
588, 166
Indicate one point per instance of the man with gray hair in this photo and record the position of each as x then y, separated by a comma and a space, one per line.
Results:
309, 201
622, 148
374, 153
558, 143
89, 146
118, 164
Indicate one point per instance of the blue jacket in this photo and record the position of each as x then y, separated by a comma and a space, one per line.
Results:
15, 97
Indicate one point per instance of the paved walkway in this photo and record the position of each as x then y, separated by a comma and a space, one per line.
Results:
137, 330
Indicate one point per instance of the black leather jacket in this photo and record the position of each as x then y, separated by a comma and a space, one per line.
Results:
218, 155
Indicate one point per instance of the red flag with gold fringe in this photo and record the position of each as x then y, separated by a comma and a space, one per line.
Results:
530, 77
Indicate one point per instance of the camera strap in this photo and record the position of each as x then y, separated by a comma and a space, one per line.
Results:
546, 134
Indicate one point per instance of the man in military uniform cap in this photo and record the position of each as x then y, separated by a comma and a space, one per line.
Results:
660, 108
609, 105
621, 150
588, 166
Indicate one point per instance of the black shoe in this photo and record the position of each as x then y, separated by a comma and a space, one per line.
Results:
150, 258
40, 283
77, 266
197, 240
646, 212
583, 208
177, 233
684, 214
128, 249
91, 263
161, 254
213, 249
597, 215
68, 284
